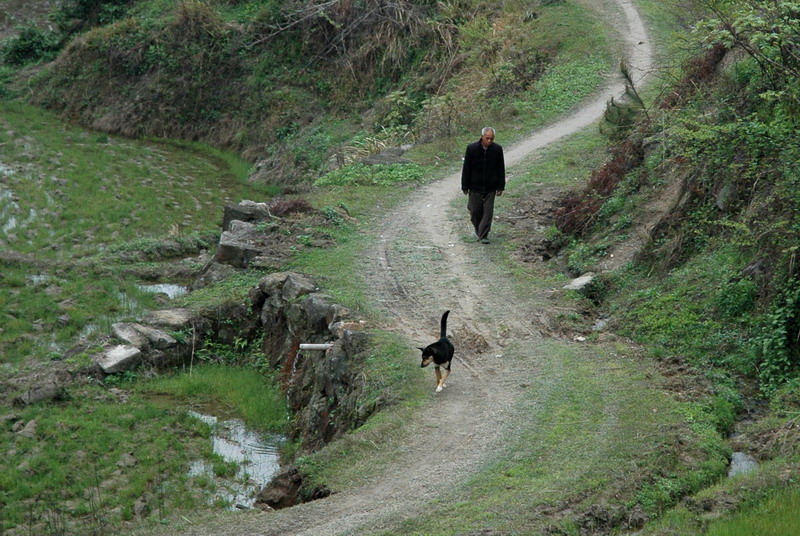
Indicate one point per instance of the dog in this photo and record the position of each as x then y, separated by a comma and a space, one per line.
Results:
440, 354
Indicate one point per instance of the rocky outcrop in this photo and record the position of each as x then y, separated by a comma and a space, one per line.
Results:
324, 388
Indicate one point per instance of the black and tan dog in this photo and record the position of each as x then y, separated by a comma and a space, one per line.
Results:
440, 354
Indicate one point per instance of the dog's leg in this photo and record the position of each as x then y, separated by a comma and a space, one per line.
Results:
445, 374
438, 380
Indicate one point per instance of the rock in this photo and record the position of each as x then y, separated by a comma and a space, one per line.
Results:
140, 508
173, 319
581, 282
741, 463
297, 285
29, 430
127, 333
119, 358
46, 391
142, 337
321, 313
214, 272
127, 460
283, 491
9, 418
238, 245
246, 211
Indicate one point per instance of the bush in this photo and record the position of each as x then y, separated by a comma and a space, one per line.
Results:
777, 345
31, 45
77, 15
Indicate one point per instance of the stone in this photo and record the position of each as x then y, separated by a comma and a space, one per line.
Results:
246, 211
127, 333
46, 391
174, 319
29, 430
297, 285
579, 283
119, 358
157, 338
237, 246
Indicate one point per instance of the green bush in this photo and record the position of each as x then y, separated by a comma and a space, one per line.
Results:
74, 15
776, 344
29, 46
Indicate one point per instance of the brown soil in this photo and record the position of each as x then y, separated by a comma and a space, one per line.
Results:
423, 264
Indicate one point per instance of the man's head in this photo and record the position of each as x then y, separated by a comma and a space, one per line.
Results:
487, 136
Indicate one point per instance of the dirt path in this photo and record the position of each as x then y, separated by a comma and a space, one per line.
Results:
423, 264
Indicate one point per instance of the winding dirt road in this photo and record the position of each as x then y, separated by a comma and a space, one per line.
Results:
423, 265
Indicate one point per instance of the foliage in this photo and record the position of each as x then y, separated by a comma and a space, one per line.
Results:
74, 15
30, 45
777, 343
577, 211
769, 33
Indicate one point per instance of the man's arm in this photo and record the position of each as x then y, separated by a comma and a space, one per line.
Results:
465, 171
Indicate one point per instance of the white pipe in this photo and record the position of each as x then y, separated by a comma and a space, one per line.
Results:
323, 346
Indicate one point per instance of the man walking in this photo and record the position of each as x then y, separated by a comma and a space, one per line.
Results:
482, 178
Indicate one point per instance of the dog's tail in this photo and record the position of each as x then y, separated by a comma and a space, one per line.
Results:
444, 324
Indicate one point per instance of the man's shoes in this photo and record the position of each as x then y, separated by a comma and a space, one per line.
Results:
484, 240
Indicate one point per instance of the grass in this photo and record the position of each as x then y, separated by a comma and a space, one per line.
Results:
257, 398
70, 468
77, 202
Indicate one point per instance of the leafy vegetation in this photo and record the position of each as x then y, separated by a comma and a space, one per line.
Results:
715, 288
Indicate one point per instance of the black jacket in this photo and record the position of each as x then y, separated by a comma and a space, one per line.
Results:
484, 169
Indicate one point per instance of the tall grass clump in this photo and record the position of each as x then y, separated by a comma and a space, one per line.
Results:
253, 396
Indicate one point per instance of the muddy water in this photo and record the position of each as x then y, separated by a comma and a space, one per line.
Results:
257, 457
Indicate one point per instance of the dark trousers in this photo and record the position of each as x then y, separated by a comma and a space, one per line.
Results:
481, 211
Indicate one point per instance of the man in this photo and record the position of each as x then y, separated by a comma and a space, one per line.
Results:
482, 178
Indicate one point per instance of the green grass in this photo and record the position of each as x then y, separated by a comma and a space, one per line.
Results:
256, 398
777, 516
70, 469
698, 310
78, 202
77, 191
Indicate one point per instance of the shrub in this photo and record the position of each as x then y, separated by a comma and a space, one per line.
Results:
777, 345
30, 45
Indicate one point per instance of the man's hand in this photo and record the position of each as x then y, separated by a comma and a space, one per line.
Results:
465, 192
499, 193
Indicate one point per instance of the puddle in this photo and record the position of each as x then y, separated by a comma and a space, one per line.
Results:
37, 279
166, 288
256, 455
7, 206
741, 463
